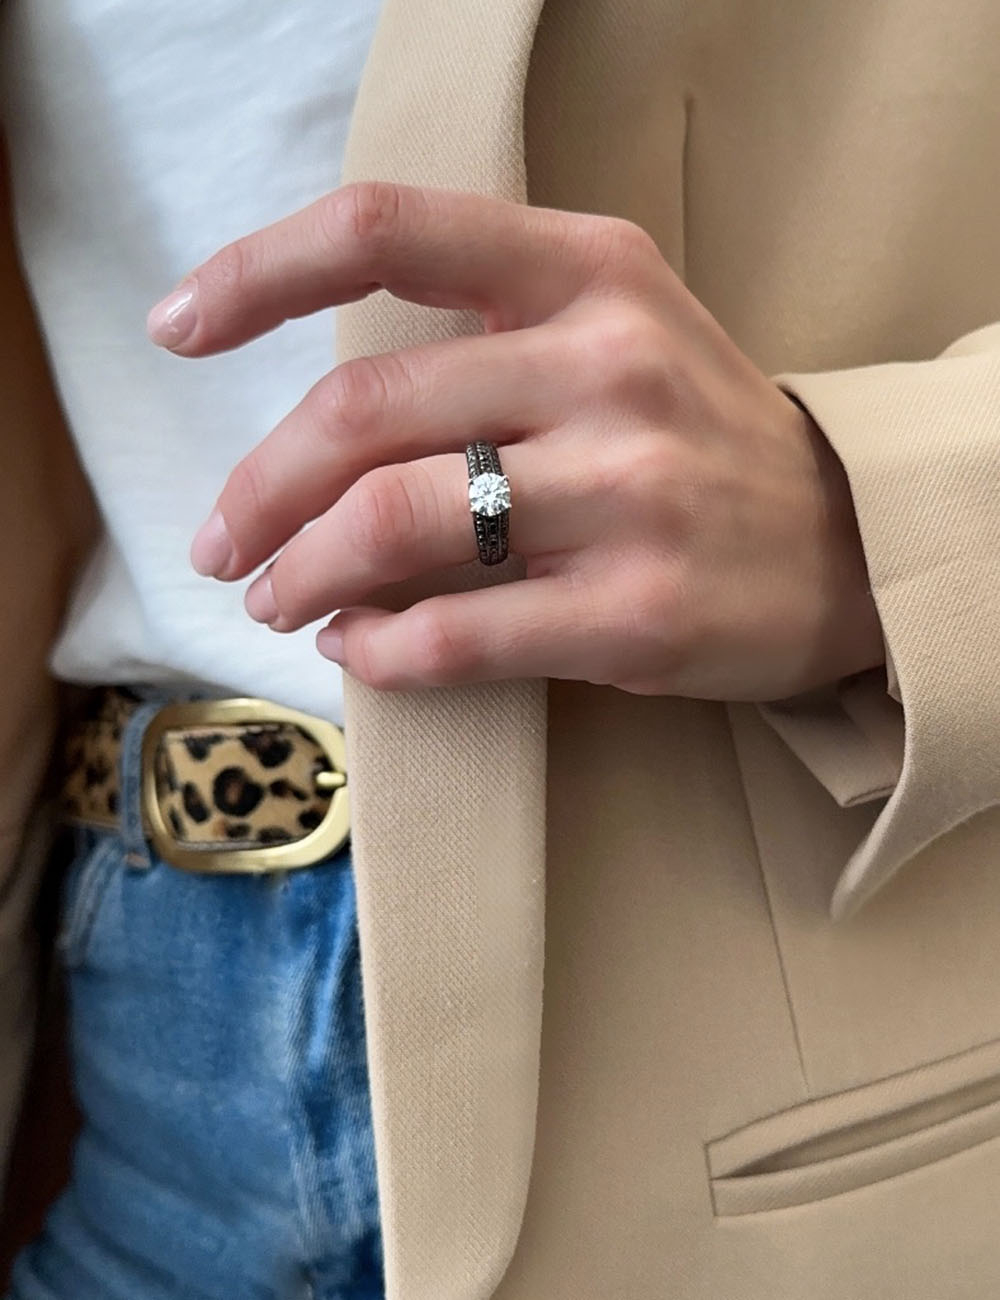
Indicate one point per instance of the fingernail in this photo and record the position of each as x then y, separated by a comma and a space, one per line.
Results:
173, 320
212, 548
259, 600
330, 644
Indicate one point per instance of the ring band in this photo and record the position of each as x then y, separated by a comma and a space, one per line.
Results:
489, 501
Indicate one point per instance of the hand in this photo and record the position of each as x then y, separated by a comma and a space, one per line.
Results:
685, 526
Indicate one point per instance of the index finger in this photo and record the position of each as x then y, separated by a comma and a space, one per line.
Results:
438, 248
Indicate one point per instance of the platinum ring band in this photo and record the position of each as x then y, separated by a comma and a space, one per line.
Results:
489, 501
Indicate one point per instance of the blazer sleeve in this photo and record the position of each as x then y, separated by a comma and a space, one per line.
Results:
920, 443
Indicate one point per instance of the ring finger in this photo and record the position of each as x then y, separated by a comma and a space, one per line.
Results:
398, 521
375, 411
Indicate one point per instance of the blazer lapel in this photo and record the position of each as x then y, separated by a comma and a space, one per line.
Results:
448, 787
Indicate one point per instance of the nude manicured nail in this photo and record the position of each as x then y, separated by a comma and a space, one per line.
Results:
212, 548
330, 644
259, 600
173, 320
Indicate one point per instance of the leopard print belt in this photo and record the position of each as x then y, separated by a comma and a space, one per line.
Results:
222, 783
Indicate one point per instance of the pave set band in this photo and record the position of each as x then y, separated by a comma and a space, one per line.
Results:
489, 501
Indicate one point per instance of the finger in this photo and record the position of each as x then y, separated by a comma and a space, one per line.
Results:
403, 520
530, 628
433, 247
383, 410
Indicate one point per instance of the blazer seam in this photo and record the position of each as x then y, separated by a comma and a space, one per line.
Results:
759, 858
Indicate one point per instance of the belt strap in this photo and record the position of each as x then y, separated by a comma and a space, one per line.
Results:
225, 777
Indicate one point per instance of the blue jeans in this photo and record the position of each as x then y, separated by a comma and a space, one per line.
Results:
219, 1063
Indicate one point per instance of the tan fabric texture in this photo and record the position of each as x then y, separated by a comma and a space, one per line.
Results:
921, 447
724, 1092
736, 1094
453, 954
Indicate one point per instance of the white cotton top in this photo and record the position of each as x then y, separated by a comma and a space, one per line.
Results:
142, 136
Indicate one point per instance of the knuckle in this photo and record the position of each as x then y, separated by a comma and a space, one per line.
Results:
651, 464
650, 606
595, 608
633, 242
612, 475
246, 497
605, 476
619, 248
382, 513
228, 270
364, 661
354, 396
654, 479
641, 627
632, 359
437, 654
647, 485
621, 331
655, 621
297, 594
367, 211
657, 372
637, 475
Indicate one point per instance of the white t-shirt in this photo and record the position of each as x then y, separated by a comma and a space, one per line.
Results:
142, 136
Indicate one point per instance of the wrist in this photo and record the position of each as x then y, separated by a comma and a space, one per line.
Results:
852, 628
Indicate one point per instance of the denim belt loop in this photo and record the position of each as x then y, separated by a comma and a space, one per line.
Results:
130, 785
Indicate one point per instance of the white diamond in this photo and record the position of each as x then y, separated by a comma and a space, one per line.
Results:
489, 494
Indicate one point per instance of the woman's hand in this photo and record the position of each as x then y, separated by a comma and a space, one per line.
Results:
686, 528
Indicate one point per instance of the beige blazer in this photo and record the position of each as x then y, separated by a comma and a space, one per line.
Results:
747, 1076
766, 1062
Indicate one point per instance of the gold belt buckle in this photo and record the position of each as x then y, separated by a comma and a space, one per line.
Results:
319, 843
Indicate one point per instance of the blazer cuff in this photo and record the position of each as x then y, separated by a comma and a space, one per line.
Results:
850, 736
920, 443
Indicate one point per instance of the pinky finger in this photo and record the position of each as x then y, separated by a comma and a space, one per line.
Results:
529, 628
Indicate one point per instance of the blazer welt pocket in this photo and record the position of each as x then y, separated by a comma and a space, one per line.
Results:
854, 1139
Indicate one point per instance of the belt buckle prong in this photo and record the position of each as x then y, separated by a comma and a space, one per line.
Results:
320, 843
